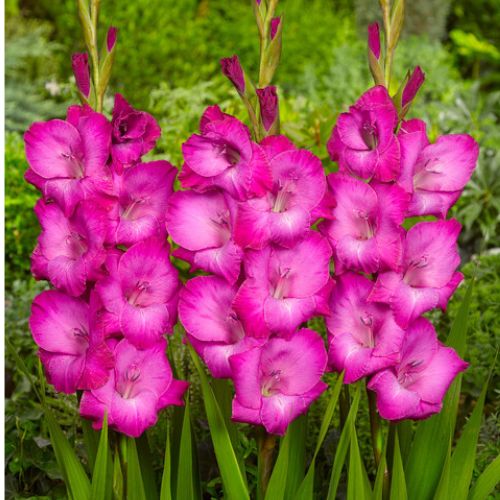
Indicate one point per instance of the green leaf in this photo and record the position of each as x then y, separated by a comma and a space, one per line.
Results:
432, 436
464, 455
147, 470
378, 487
277, 482
135, 486
185, 478
166, 484
358, 487
297, 455
101, 485
91, 440
398, 482
117, 477
487, 481
306, 489
443, 488
341, 451
232, 478
77, 481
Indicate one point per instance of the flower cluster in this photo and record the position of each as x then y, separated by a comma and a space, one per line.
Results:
245, 217
103, 248
388, 277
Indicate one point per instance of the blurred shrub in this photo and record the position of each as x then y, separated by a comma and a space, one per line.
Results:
21, 225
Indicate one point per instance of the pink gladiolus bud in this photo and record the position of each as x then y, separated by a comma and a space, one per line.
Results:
139, 387
268, 99
275, 22
412, 86
277, 382
111, 38
231, 68
80, 65
415, 387
374, 39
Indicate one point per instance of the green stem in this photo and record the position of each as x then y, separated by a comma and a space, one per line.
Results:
94, 54
266, 444
376, 431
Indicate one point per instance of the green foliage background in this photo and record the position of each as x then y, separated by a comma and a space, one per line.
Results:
167, 63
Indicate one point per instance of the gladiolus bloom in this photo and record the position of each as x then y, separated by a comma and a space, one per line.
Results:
277, 382
415, 387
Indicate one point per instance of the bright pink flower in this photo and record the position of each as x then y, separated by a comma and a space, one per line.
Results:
212, 325
142, 292
68, 159
283, 214
70, 250
140, 385
365, 230
141, 205
436, 173
134, 133
363, 141
416, 386
268, 100
231, 68
363, 336
224, 156
374, 39
201, 223
277, 382
428, 274
412, 86
284, 287
72, 350
80, 66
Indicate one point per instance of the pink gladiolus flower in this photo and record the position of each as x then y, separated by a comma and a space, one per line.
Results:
134, 133
224, 156
427, 277
436, 173
140, 385
70, 251
141, 292
416, 386
142, 194
212, 326
374, 39
284, 287
277, 382
68, 159
201, 223
72, 350
365, 228
268, 99
363, 141
283, 215
80, 66
231, 68
363, 336
413, 85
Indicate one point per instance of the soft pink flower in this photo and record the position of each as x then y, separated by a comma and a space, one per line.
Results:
363, 141
416, 386
231, 68
365, 230
70, 251
68, 159
212, 325
134, 133
140, 385
436, 173
224, 156
284, 287
363, 336
72, 349
142, 193
428, 274
142, 292
283, 214
277, 382
201, 223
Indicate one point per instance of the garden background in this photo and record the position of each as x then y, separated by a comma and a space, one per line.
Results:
167, 63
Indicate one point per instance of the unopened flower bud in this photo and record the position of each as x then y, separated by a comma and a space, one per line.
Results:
80, 65
111, 38
232, 69
275, 22
268, 99
374, 39
413, 85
